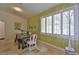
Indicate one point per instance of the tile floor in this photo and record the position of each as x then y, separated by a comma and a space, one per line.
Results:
42, 49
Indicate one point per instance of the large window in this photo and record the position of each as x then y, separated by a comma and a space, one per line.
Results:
49, 24
57, 24
68, 22
60, 23
43, 25
65, 30
46, 24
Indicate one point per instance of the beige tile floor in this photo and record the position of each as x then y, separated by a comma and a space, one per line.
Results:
42, 49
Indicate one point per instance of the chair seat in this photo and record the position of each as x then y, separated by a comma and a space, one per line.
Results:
30, 43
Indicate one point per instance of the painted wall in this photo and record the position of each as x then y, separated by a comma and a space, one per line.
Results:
34, 21
9, 20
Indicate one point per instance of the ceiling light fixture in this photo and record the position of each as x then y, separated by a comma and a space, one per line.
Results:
17, 9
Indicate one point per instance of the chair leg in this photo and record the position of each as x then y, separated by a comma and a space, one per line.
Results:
18, 45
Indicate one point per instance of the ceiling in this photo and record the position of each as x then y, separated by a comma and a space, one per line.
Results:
29, 9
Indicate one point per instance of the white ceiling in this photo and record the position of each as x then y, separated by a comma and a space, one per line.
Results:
29, 9
36, 8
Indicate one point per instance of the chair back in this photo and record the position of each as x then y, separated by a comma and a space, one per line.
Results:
33, 37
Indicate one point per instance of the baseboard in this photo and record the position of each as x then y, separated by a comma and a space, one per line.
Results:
52, 45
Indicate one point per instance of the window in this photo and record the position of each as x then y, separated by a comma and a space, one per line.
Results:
60, 23
46, 24
49, 24
68, 22
57, 24
43, 25
65, 30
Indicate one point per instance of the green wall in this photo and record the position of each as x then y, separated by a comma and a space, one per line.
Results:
33, 25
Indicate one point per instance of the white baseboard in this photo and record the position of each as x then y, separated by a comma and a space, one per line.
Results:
52, 45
